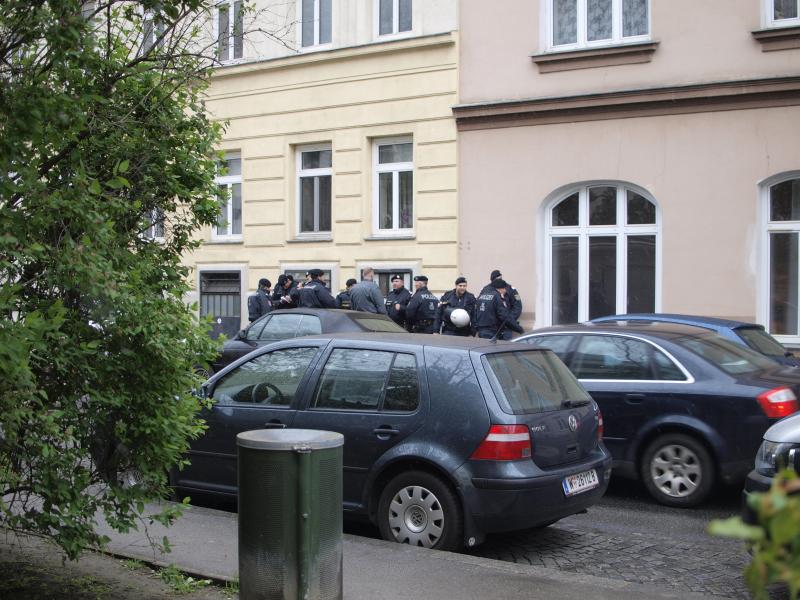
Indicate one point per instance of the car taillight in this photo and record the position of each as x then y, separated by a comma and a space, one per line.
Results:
505, 442
600, 427
778, 403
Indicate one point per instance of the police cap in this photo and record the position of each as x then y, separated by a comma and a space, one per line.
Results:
495, 274
421, 278
396, 278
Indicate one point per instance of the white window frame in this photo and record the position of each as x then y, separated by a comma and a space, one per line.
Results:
394, 168
316, 45
395, 21
767, 227
150, 17
316, 234
771, 22
583, 232
231, 59
616, 39
228, 181
333, 267
151, 232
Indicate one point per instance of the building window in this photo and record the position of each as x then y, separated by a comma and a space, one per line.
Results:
315, 22
782, 13
394, 16
156, 229
229, 184
602, 253
783, 251
230, 30
314, 190
394, 186
577, 24
152, 30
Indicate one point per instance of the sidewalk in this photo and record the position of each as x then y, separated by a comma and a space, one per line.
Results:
204, 543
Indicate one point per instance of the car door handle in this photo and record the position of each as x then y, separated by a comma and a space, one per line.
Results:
384, 432
274, 425
634, 398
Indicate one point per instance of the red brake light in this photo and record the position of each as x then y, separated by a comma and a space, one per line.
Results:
600, 428
505, 442
778, 403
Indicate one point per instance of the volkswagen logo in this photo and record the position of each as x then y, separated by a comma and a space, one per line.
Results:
573, 423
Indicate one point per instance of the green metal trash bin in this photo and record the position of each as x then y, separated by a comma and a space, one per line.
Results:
290, 514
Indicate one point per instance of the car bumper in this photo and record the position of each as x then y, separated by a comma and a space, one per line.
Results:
509, 504
755, 483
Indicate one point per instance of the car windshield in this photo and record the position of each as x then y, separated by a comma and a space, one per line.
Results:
760, 341
531, 381
728, 356
376, 324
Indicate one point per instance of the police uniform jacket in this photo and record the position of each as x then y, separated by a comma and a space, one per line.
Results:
452, 300
258, 305
343, 300
421, 308
400, 296
491, 312
314, 294
513, 301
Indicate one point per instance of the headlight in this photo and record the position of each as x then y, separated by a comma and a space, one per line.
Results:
773, 456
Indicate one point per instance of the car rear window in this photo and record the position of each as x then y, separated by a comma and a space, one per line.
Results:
728, 356
760, 341
373, 324
531, 381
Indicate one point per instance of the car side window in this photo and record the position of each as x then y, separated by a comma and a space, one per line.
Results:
281, 327
309, 325
255, 329
402, 390
269, 379
557, 343
353, 379
612, 357
667, 370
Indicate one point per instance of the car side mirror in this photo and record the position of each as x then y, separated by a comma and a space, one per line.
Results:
242, 334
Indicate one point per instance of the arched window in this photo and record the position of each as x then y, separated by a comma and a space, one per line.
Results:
783, 230
602, 253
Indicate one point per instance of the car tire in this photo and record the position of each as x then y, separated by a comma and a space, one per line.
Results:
677, 470
419, 509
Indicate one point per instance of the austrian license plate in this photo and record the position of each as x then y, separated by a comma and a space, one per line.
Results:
581, 482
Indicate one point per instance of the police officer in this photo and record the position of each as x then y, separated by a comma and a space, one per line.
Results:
281, 295
259, 303
421, 309
314, 294
492, 316
397, 300
343, 299
513, 301
455, 298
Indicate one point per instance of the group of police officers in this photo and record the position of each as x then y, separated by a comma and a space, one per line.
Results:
494, 314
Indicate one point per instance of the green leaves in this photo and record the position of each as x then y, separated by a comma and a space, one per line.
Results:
775, 540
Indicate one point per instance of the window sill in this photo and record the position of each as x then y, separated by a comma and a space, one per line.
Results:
588, 58
306, 239
382, 237
236, 240
778, 38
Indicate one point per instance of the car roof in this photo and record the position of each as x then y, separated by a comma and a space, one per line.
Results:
710, 322
416, 339
658, 329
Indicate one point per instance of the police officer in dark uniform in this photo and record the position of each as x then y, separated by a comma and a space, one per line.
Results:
282, 293
421, 309
343, 299
314, 294
397, 300
455, 298
492, 316
513, 301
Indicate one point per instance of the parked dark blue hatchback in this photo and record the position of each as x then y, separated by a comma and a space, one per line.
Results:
683, 406
446, 438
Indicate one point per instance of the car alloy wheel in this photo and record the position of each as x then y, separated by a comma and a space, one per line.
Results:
677, 470
419, 509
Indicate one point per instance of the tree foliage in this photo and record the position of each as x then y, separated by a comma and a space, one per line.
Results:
101, 133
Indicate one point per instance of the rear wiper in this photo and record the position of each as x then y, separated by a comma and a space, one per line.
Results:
575, 403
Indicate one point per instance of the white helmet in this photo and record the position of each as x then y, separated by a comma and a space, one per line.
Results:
459, 317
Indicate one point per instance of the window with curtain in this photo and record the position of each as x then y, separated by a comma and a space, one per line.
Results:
783, 230
602, 248
230, 30
587, 23
229, 186
394, 16
394, 186
316, 22
314, 171
782, 13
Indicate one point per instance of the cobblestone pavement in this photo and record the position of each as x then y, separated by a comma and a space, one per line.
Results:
713, 568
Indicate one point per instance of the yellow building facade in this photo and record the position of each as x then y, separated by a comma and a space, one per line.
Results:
340, 158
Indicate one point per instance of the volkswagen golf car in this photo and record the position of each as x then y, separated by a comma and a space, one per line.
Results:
446, 438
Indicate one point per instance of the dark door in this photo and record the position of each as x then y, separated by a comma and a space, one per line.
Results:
375, 398
629, 379
261, 393
221, 299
